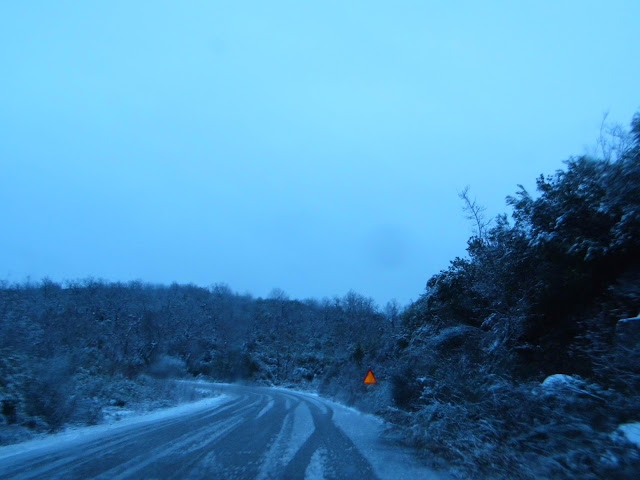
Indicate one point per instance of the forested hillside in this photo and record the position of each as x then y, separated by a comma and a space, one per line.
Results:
513, 363
69, 350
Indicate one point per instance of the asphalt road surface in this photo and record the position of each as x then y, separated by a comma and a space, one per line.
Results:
246, 432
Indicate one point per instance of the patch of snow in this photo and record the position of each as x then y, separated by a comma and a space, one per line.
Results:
387, 460
560, 380
316, 468
265, 409
186, 444
116, 414
560, 220
318, 400
631, 431
302, 429
296, 429
632, 319
82, 434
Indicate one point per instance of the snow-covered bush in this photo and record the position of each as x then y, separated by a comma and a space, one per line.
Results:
167, 366
50, 395
301, 374
517, 432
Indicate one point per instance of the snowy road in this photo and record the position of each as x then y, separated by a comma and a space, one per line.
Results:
247, 432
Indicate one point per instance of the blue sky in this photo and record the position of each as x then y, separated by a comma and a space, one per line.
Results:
312, 146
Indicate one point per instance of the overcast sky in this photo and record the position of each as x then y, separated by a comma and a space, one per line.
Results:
312, 146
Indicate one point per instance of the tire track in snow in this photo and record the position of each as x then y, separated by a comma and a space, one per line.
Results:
266, 408
317, 466
296, 429
239, 455
63, 463
263, 433
189, 443
345, 459
181, 451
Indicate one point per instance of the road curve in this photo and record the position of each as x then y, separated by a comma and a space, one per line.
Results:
249, 433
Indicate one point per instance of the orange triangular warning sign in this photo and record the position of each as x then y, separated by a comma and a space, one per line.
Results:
370, 379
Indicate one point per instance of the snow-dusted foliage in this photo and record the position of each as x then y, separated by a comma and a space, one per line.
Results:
513, 363
70, 352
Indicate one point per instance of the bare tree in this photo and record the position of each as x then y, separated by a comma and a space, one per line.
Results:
614, 141
474, 212
392, 311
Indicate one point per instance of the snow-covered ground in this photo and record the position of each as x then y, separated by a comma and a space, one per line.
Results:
317, 469
387, 460
82, 434
283, 443
365, 431
295, 430
631, 431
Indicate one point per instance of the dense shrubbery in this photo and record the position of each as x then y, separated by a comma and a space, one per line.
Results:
540, 297
520, 430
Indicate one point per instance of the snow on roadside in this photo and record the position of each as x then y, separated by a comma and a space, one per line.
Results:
83, 434
631, 431
364, 430
388, 461
560, 380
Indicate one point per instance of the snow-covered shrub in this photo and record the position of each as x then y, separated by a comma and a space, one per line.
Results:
120, 391
522, 431
14, 378
628, 332
406, 388
87, 411
50, 395
301, 374
167, 366
187, 391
